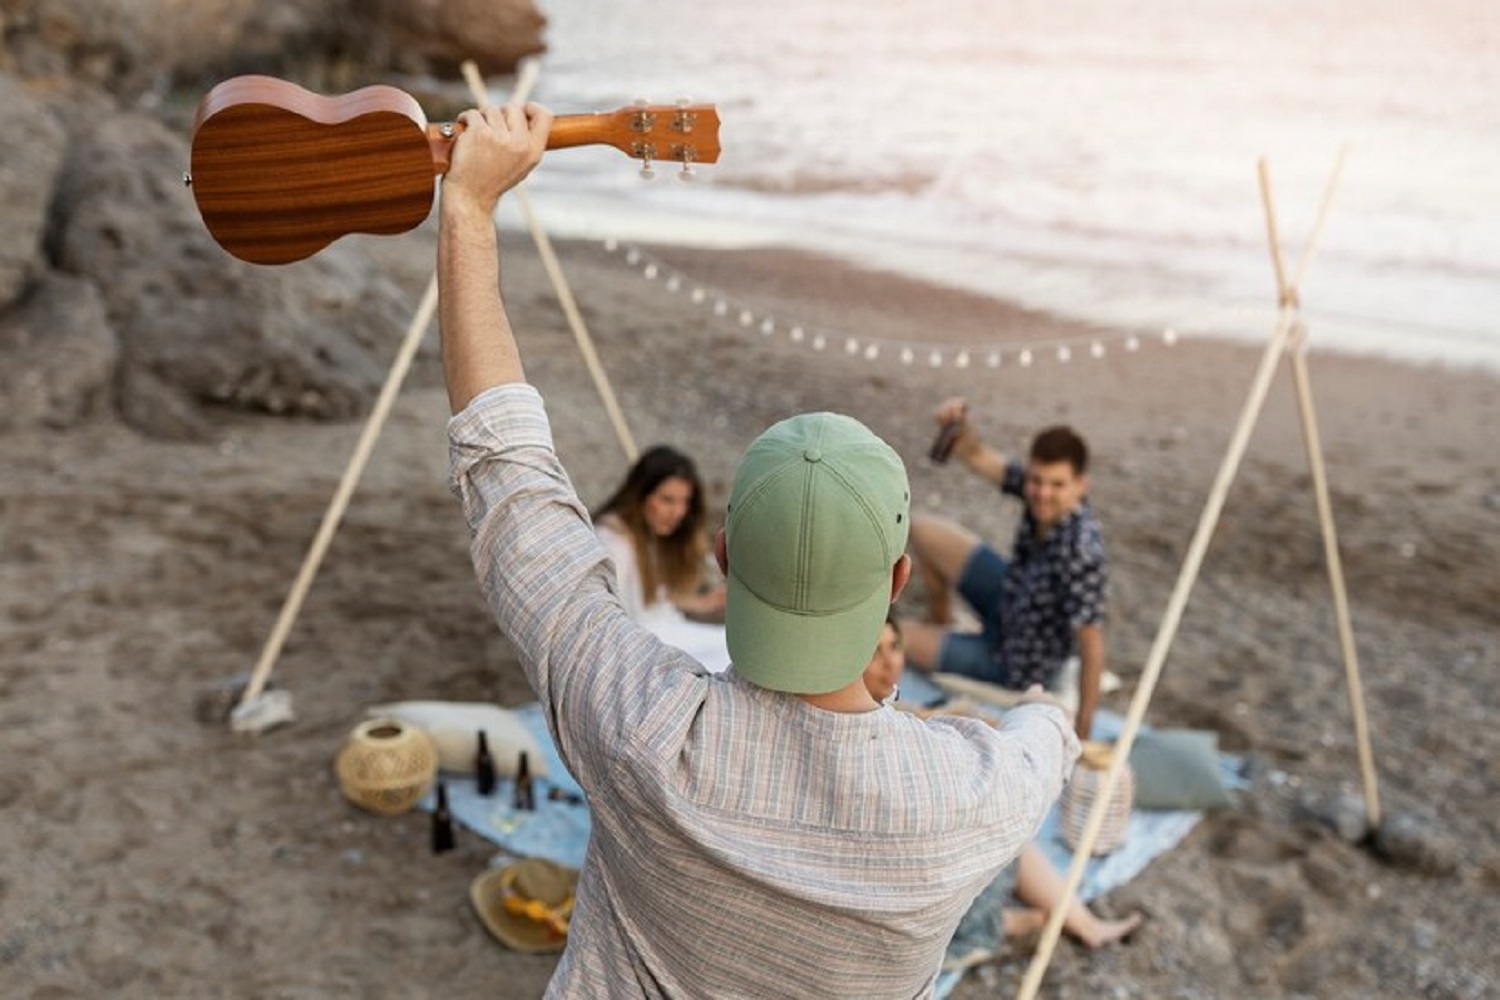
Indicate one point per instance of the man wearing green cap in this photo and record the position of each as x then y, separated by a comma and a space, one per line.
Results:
768, 831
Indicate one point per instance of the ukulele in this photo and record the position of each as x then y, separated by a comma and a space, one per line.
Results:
280, 172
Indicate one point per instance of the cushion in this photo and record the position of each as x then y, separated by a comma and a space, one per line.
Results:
454, 727
1178, 769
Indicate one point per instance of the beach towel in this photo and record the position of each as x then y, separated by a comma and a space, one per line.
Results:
558, 829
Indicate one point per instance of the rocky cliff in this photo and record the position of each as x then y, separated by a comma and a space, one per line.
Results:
114, 301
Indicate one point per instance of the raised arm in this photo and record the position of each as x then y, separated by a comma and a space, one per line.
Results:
980, 459
497, 149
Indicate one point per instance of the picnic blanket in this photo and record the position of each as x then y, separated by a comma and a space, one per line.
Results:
558, 829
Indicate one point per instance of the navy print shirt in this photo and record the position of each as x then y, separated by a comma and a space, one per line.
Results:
1055, 585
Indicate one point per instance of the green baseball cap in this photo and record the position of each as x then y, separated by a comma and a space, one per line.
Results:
817, 518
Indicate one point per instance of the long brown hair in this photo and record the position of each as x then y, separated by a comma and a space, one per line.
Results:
675, 560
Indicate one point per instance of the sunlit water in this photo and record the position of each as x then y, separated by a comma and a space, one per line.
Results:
1096, 158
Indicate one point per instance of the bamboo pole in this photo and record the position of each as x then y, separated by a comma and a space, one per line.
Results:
564, 295
335, 512
1297, 351
1336, 584
261, 673
1155, 660
1167, 631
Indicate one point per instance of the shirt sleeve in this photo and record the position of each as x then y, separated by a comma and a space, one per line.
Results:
1039, 750
1088, 582
1013, 479
550, 585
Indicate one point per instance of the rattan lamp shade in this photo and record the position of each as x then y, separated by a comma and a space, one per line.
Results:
386, 765
1083, 791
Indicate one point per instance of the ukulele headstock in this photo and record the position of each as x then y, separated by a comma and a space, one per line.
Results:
681, 133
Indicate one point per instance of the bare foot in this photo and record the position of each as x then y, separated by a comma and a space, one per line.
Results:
1100, 932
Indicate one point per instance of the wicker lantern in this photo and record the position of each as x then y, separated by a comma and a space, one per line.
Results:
1083, 791
386, 765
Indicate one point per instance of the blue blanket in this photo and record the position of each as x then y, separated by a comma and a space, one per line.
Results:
558, 829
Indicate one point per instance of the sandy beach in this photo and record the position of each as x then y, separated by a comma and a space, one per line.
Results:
144, 853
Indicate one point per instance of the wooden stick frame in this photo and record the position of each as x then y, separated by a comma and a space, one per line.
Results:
1288, 337
261, 673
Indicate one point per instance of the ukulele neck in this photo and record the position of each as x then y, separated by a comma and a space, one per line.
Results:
634, 134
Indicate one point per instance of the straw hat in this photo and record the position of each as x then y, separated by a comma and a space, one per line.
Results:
526, 904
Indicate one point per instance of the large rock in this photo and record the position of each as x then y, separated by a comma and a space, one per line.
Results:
436, 36
136, 47
57, 357
91, 189
28, 176
311, 340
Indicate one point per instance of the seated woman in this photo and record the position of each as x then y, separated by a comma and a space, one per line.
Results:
653, 528
1035, 881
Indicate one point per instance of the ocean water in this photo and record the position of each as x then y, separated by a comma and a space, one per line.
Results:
1095, 158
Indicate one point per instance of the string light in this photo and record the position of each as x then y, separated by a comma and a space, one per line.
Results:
871, 348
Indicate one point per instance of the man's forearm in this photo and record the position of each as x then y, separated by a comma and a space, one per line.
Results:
478, 346
1090, 676
986, 462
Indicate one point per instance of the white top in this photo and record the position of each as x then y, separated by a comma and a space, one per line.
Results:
702, 641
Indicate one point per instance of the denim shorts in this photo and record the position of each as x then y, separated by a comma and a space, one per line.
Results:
981, 585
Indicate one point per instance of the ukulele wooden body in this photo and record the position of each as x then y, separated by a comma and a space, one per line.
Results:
279, 172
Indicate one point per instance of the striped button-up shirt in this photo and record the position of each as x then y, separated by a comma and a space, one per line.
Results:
745, 843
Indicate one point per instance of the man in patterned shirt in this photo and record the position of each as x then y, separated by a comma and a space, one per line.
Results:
770, 831
1040, 607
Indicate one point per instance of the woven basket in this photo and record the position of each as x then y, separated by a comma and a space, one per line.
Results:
386, 765
1083, 791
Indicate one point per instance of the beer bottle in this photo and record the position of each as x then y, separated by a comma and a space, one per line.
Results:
947, 436
484, 767
525, 793
442, 822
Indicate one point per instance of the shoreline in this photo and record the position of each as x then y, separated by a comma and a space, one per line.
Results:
148, 854
648, 223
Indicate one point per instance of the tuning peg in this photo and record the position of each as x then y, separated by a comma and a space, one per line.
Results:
648, 172
687, 174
